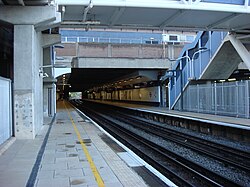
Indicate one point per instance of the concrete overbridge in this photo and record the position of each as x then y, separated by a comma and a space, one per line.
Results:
94, 64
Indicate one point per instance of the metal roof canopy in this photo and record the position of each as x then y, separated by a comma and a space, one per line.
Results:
25, 2
159, 14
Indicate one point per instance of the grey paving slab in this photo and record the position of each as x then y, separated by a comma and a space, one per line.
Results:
64, 163
67, 159
94, 185
78, 165
61, 182
49, 151
82, 181
62, 149
52, 167
50, 160
45, 174
68, 173
113, 184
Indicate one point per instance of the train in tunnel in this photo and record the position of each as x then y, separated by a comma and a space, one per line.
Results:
146, 95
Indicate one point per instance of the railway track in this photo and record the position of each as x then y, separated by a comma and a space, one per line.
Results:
225, 154
181, 171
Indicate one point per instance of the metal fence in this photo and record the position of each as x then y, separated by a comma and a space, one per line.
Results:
66, 39
73, 39
227, 98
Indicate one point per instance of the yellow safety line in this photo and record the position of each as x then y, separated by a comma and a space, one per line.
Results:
85, 150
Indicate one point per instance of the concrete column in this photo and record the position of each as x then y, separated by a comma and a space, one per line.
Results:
140, 52
28, 117
109, 50
170, 51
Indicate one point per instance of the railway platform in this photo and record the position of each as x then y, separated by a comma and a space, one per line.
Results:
71, 151
216, 119
234, 128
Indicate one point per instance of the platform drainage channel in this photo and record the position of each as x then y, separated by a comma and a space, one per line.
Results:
77, 182
73, 155
81, 121
68, 133
69, 146
61, 144
86, 141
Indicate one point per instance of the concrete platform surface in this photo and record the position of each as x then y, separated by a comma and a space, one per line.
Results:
69, 152
216, 119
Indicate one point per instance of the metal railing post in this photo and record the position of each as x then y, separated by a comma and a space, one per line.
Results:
237, 98
215, 98
247, 99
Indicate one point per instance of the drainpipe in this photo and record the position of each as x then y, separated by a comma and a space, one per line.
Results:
86, 10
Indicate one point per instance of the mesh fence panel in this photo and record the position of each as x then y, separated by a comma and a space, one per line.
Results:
230, 98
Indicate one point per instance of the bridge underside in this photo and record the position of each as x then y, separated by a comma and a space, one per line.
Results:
136, 63
82, 79
229, 56
223, 64
161, 14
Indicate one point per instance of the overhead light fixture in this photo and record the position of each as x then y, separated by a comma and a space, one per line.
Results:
54, 66
45, 75
63, 9
59, 58
138, 77
41, 74
222, 80
92, 22
233, 79
81, 23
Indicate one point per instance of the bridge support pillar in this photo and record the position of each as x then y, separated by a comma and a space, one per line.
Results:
27, 82
28, 23
241, 49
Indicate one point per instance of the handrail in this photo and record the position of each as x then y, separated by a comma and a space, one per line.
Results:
192, 70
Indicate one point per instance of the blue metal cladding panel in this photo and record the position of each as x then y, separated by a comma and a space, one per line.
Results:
188, 47
212, 43
235, 2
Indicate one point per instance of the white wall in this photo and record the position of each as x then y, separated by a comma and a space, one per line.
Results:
150, 94
5, 110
